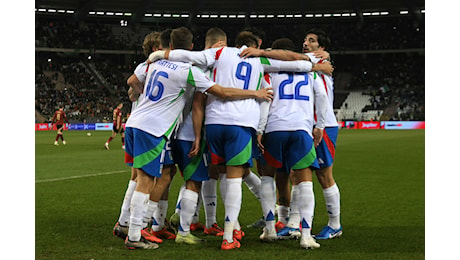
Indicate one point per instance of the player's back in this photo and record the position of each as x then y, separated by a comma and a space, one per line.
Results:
292, 107
163, 101
230, 70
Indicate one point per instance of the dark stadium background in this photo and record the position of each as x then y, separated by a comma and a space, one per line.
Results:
376, 45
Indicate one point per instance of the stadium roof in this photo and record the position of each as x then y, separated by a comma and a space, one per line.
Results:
137, 8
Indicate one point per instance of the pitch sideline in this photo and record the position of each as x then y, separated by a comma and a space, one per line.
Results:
79, 176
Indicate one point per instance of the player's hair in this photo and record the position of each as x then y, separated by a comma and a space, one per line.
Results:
181, 38
259, 33
165, 38
213, 35
151, 41
323, 39
283, 43
246, 38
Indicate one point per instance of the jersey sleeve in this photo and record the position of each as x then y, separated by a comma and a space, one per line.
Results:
321, 101
202, 59
272, 65
199, 80
141, 72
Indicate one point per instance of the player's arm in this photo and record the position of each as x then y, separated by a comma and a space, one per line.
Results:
204, 58
278, 54
135, 87
198, 108
236, 93
321, 106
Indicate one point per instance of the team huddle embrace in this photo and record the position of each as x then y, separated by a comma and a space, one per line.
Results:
215, 113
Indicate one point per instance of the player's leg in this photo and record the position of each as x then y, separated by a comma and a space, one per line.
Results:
209, 194
121, 227
188, 207
325, 154
268, 201
160, 195
283, 188
114, 133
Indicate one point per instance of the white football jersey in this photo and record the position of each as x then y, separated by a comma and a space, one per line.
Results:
328, 84
164, 99
141, 73
293, 104
229, 70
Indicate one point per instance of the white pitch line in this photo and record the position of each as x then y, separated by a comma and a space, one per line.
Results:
79, 176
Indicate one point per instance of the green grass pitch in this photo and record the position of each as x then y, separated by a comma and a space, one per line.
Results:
79, 188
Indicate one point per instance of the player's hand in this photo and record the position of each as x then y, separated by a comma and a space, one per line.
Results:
265, 94
324, 55
156, 55
317, 136
325, 67
218, 44
132, 94
251, 52
259, 143
195, 148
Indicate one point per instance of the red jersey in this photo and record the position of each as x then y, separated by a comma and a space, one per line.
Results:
59, 117
117, 117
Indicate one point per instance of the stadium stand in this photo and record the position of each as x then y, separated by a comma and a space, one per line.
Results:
84, 65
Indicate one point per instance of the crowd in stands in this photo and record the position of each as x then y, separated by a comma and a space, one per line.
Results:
392, 78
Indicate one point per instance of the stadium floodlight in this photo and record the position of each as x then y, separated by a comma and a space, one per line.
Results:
148, 15
70, 11
119, 14
309, 15
280, 16
51, 10
318, 15
128, 14
232, 16
100, 13
366, 14
109, 13
41, 10
353, 14
261, 16
297, 15
205, 16
422, 11
241, 16
270, 16
166, 15
336, 15
176, 15
384, 13
157, 15
184, 15
91, 13
346, 14
375, 13
253, 16
289, 16
223, 16
327, 15
213, 16
403, 12
61, 11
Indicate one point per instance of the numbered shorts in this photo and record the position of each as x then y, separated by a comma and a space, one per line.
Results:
325, 152
195, 168
145, 151
230, 145
290, 150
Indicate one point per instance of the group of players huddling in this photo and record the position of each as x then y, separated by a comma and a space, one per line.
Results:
270, 106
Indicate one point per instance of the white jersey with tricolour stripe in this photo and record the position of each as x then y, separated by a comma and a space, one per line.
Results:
164, 99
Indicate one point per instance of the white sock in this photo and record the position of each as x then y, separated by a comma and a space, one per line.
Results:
159, 215
268, 200
232, 205
223, 187
332, 199
294, 213
209, 194
151, 206
138, 210
196, 215
181, 190
306, 200
253, 183
189, 201
283, 214
124, 214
